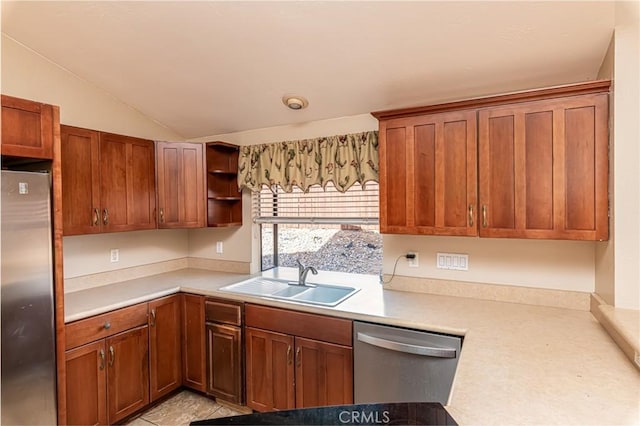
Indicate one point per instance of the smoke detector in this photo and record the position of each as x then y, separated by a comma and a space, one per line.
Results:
295, 102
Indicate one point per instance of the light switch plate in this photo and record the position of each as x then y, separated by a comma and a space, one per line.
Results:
455, 261
115, 255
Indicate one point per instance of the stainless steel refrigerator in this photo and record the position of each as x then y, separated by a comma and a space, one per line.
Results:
28, 369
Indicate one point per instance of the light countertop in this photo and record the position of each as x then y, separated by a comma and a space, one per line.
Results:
519, 364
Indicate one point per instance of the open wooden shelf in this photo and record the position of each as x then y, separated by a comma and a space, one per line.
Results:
224, 201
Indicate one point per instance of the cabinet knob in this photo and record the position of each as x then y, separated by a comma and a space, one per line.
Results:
107, 325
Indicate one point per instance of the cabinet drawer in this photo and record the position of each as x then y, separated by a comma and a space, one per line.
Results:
224, 311
311, 326
105, 325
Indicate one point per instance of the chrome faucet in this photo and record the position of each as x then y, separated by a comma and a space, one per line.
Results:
303, 271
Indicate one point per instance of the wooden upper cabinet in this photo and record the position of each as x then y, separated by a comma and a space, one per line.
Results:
80, 181
522, 165
180, 182
428, 174
108, 182
28, 128
127, 183
544, 169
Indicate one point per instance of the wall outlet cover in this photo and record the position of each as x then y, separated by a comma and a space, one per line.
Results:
115, 255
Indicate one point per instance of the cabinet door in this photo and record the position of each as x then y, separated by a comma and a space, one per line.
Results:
80, 181
27, 128
127, 372
127, 183
428, 174
165, 348
193, 342
544, 169
324, 373
224, 362
180, 185
270, 371
86, 383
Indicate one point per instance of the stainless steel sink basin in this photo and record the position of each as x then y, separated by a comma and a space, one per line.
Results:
314, 294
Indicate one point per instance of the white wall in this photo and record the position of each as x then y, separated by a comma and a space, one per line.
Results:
566, 265
26, 74
90, 254
605, 250
626, 156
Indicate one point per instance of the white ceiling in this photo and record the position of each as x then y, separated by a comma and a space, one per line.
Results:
206, 68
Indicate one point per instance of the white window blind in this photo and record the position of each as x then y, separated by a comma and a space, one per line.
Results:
358, 206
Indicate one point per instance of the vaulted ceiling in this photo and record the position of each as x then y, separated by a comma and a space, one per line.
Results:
206, 68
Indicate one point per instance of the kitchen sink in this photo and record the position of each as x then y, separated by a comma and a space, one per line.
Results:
314, 294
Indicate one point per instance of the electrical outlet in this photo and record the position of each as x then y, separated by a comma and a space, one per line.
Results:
415, 262
219, 247
115, 255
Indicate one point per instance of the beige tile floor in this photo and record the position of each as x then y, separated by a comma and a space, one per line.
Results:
184, 408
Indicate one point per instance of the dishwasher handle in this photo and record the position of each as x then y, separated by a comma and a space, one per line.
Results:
406, 347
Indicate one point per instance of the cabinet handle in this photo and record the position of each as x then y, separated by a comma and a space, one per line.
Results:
105, 217
161, 215
112, 356
289, 357
107, 325
101, 359
484, 216
153, 318
298, 357
96, 217
470, 214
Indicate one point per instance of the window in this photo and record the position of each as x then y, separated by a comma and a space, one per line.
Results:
324, 228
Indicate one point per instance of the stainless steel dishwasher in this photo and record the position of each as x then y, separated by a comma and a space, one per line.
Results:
393, 364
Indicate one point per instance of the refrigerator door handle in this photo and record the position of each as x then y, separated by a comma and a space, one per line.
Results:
407, 348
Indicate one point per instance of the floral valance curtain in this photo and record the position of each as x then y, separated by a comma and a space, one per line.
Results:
343, 160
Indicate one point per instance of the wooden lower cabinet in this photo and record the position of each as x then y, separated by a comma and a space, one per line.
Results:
108, 380
286, 370
127, 372
270, 371
86, 385
165, 354
224, 362
193, 343
324, 373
